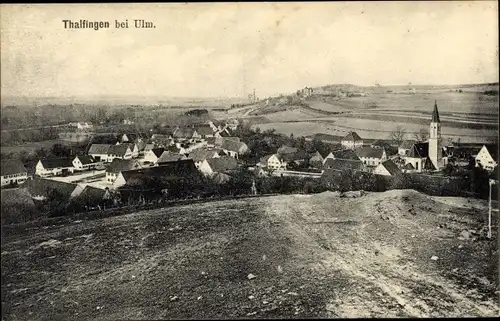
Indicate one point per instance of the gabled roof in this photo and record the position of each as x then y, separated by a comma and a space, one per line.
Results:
149, 146
232, 145
169, 171
91, 194
419, 150
13, 166
369, 152
119, 165
316, 157
119, 150
157, 151
287, 150
210, 140
391, 167
131, 136
86, 159
200, 154
380, 144
435, 113
222, 164
42, 187
352, 137
296, 156
342, 164
184, 132
57, 162
345, 154
224, 133
170, 157
99, 149
428, 164
204, 129
409, 166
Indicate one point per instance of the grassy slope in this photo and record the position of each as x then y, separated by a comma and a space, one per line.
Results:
314, 256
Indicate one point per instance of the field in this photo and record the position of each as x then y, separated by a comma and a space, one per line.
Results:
31, 147
469, 115
271, 257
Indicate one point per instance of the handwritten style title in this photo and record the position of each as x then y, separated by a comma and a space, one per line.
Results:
96, 25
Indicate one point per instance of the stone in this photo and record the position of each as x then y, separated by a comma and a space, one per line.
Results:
251, 276
434, 258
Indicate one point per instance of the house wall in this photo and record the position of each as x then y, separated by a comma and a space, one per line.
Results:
381, 170
111, 177
274, 163
150, 157
417, 163
100, 157
205, 168
371, 161
119, 181
13, 178
351, 144
484, 158
402, 151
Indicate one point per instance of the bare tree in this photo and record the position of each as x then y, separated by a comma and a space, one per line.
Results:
398, 135
422, 135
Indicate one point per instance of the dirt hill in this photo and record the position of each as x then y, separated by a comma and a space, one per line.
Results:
284, 256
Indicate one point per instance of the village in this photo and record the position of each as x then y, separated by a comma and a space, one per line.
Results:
105, 172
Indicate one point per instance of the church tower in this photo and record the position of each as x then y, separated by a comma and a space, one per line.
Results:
435, 145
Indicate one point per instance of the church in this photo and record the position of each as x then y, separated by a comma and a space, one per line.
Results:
429, 155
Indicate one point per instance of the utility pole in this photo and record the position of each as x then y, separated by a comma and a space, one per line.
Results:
492, 182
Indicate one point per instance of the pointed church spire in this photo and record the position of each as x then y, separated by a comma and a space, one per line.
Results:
435, 113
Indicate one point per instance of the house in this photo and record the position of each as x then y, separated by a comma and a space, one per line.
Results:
171, 172
299, 156
92, 197
13, 172
221, 135
40, 189
153, 155
54, 167
99, 152
234, 148
119, 165
168, 156
351, 140
201, 154
204, 130
284, 150
405, 147
84, 162
347, 154
186, 133
487, 157
387, 168
232, 124
84, 125
371, 156
134, 148
408, 168
389, 149
178, 148
148, 147
129, 138
316, 160
273, 162
211, 141
121, 151
342, 164
222, 164
419, 158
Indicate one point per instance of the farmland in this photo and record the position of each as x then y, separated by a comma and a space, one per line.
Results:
309, 256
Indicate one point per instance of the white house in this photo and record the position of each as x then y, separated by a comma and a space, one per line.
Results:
153, 155
84, 162
371, 156
405, 147
273, 162
119, 165
54, 167
487, 157
99, 152
234, 148
351, 140
199, 155
121, 151
12, 172
222, 164
387, 168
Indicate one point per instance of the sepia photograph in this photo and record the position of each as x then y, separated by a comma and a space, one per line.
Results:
264, 160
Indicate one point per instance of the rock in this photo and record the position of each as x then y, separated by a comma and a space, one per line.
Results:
251, 297
293, 293
352, 194
200, 297
251, 313
280, 270
251, 276
434, 258
174, 298
460, 246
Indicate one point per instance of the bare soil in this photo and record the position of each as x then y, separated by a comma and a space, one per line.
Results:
310, 255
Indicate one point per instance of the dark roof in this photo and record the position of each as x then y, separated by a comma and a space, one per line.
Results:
298, 155
263, 160
91, 194
224, 133
119, 150
370, 152
435, 113
316, 157
407, 144
409, 166
14, 166
169, 171
158, 151
493, 150
184, 132
232, 145
201, 154
99, 149
204, 129
419, 150
345, 154
353, 137
428, 164
57, 162
380, 144
391, 167
342, 164
119, 165
41, 187
287, 150
222, 164
86, 159
131, 136
169, 157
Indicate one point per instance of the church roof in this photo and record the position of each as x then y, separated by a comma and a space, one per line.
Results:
435, 113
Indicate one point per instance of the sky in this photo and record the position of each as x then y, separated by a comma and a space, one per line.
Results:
230, 49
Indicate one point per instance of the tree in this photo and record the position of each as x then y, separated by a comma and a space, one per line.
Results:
398, 135
422, 135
